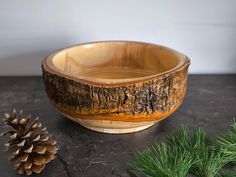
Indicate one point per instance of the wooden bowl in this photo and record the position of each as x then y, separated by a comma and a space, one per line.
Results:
116, 86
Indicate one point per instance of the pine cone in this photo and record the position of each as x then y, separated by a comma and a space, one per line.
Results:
30, 146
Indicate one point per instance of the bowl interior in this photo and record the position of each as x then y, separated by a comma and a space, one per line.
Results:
116, 61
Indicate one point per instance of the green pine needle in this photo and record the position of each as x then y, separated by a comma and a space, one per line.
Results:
188, 151
187, 139
162, 160
228, 142
227, 173
209, 160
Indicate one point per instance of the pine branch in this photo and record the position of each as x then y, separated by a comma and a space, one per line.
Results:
209, 160
228, 142
186, 139
162, 161
188, 150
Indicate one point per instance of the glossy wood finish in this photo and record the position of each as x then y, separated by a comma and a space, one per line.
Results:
117, 86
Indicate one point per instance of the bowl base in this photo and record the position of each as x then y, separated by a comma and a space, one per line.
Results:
117, 130
112, 127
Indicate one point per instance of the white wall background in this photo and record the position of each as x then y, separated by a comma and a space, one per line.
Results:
205, 30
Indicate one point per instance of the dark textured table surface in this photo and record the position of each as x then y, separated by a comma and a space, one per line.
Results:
210, 103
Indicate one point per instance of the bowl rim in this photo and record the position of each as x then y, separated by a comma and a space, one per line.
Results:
47, 64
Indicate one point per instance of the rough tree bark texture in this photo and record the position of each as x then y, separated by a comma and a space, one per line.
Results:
145, 100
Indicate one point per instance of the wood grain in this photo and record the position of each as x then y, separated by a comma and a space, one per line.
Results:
97, 96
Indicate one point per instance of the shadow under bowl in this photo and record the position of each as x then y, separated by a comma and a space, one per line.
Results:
116, 86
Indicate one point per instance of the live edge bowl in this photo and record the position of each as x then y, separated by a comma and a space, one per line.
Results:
116, 86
